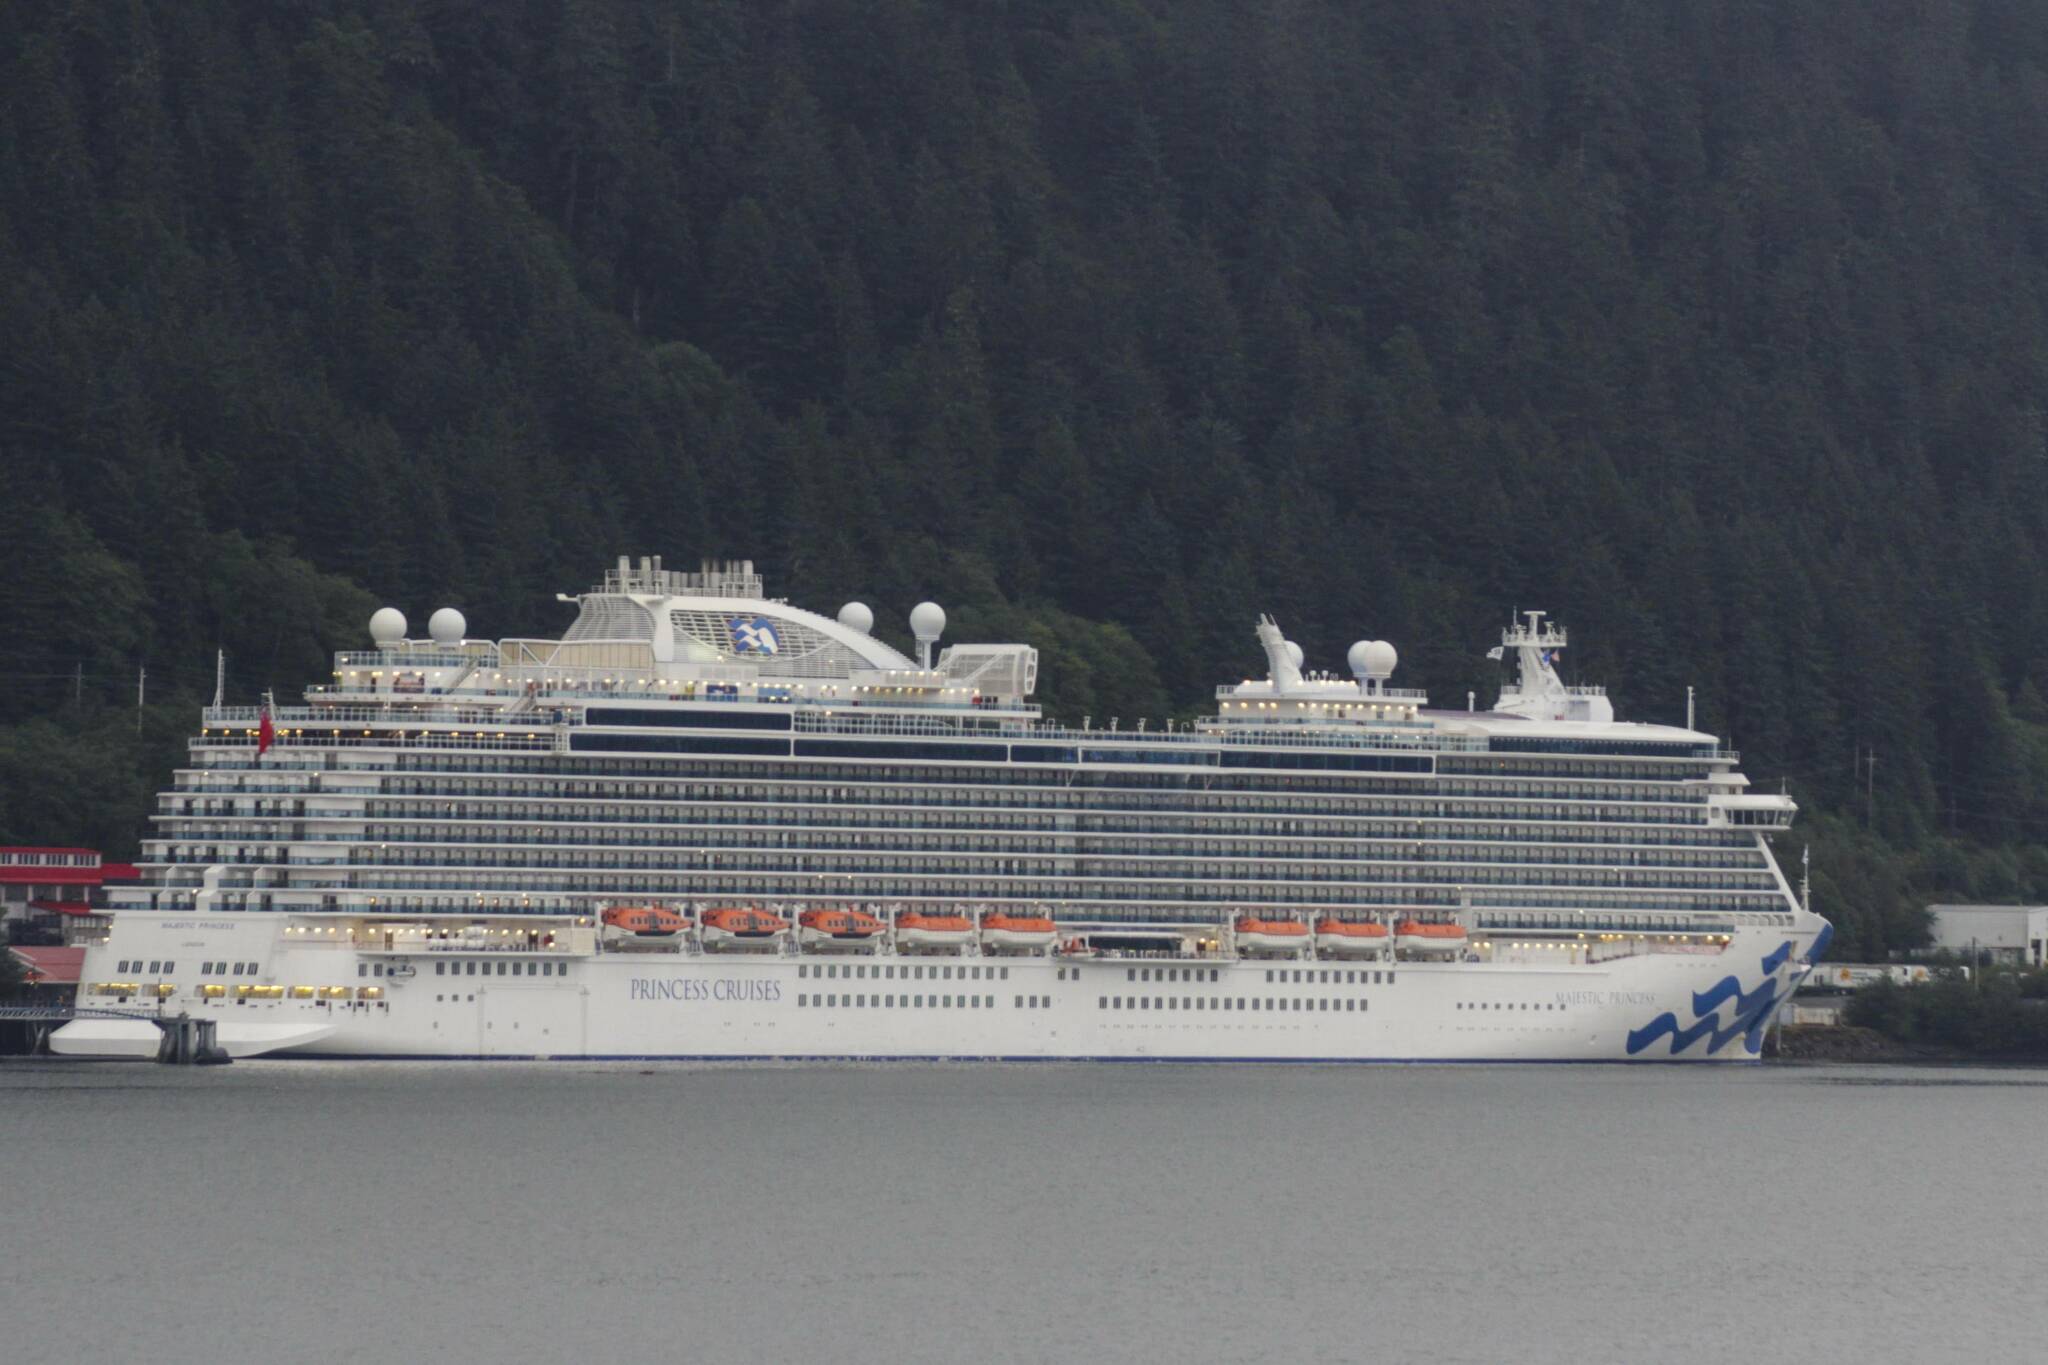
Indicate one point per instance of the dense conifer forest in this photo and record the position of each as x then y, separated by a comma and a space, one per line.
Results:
1716, 329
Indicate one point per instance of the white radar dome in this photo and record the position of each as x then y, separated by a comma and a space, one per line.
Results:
447, 626
387, 625
1372, 659
1294, 653
927, 620
856, 616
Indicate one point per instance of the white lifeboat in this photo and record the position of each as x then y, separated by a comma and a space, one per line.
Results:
933, 933
1270, 937
725, 930
1414, 936
1350, 938
1017, 933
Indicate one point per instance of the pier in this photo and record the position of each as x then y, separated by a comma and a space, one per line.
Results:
186, 1041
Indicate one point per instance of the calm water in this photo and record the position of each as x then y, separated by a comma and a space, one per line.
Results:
942, 1213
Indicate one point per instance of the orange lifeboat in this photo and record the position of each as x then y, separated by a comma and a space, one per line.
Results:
643, 922
1270, 936
1017, 933
741, 928
1350, 938
821, 928
939, 933
1415, 936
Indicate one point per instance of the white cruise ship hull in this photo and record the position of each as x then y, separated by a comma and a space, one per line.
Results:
468, 1003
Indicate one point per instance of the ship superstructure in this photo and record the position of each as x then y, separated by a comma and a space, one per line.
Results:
692, 750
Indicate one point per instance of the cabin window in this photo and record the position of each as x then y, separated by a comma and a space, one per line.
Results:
803, 969
1102, 1002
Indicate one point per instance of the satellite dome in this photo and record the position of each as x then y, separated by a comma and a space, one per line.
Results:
1373, 659
1294, 653
856, 616
387, 625
927, 620
447, 626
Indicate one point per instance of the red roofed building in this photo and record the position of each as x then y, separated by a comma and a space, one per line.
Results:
45, 965
55, 894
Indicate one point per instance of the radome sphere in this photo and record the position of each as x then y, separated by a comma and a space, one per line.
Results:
927, 620
387, 625
856, 616
447, 626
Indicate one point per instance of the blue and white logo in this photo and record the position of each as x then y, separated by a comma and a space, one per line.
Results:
1750, 1014
754, 635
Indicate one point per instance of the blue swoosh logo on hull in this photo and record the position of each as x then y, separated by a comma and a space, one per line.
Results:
1752, 1010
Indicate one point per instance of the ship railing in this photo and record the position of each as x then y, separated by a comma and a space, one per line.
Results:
410, 659
377, 947
285, 744
400, 714
1236, 692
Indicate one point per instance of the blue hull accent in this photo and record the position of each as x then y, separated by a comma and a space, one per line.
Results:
1751, 1012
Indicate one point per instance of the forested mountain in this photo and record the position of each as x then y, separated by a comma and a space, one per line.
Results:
1714, 328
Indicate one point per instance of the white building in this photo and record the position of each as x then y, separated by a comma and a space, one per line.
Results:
2009, 933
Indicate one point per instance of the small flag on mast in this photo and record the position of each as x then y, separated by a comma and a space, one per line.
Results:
266, 733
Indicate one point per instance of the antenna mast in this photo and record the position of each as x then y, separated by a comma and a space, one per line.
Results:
1806, 878
220, 675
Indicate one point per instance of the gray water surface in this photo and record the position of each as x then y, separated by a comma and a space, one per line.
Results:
282, 1210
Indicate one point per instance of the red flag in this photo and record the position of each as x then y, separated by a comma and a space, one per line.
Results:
266, 733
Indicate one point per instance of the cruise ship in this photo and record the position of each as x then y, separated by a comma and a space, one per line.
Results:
706, 823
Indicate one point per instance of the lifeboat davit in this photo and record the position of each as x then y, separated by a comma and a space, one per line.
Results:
942, 933
1414, 936
738, 928
838, 928
643, 921
1270, 935
1350, 938
1017, 933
